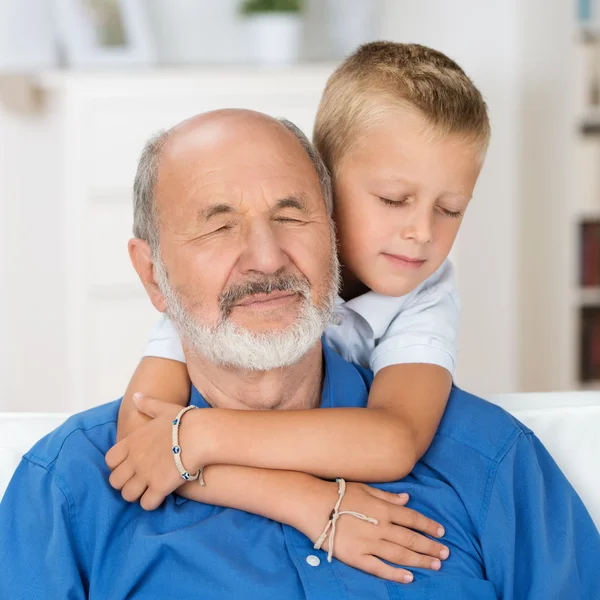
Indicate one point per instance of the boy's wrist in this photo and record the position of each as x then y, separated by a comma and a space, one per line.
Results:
312, 507
196, 440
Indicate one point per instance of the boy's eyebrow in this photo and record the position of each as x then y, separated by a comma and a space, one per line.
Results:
398, 179
457, 195
204, 214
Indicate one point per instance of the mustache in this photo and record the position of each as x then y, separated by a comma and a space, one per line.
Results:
278, 282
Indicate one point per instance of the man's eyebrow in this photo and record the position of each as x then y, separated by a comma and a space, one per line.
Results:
213, 210
292, 202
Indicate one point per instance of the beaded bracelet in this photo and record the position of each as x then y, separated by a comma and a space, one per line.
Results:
176, 448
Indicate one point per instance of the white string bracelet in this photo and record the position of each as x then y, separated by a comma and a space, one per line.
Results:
176, 449
335, 515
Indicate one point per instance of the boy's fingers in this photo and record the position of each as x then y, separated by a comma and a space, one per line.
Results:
121, 475
399, 555
406, 517
377, 567
146, 404
416, 542
400, 499
133, 489
151, 500
116, 455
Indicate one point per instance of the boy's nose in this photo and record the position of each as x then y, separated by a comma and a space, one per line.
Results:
419, 227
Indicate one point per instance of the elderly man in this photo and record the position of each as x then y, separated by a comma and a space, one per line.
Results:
515, 526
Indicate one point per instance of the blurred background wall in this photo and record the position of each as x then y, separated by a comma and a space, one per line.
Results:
74, 116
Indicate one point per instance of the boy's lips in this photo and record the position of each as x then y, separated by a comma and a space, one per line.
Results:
405, 261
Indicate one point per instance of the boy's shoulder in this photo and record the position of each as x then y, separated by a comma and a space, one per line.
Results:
91, 431
379, 311
480, 425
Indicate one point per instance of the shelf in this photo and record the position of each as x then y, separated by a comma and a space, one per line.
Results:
590, 128
589, 296
228, 77
589, 123
589, 386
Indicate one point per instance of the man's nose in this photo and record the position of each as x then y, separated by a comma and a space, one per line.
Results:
262, 251
419, 225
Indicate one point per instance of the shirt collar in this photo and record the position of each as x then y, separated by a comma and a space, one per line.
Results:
379, 310
376, 309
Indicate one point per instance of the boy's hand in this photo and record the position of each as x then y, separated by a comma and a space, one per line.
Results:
142, 464
396, 539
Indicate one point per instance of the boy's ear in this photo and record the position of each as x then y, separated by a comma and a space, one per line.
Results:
141, 258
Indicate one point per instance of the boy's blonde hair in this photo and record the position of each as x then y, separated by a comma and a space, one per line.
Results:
385, 75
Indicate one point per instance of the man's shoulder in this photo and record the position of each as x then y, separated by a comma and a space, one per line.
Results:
480, 425
92, 430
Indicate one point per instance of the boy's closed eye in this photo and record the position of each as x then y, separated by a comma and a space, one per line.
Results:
398, 203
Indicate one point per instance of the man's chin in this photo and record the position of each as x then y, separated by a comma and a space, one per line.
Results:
265, 327
261, 323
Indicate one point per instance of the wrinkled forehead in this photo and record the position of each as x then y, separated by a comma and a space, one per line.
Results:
255, 165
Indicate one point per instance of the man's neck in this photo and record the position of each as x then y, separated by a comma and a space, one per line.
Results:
295, 387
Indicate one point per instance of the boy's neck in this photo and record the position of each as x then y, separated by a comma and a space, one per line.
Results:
351, 285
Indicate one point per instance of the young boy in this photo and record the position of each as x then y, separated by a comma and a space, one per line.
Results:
403, 132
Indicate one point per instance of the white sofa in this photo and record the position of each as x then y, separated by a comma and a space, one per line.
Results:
567, 423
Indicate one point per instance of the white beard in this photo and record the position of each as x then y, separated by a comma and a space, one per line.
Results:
234, 346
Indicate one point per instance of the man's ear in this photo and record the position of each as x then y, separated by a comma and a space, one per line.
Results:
141, 257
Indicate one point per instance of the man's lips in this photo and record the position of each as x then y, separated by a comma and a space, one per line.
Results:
266, 300
405, 261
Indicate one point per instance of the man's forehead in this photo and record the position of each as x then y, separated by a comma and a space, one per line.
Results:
226, 191
228, 131
233, 172
235, 177
232, 164
257, 187
231, 156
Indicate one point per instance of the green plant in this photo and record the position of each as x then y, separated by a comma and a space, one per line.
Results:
250, 7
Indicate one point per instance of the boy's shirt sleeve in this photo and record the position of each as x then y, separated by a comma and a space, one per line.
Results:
538, 540
426, 328
165, 341
38, 550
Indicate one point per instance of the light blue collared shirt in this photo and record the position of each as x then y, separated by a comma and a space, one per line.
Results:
515, 527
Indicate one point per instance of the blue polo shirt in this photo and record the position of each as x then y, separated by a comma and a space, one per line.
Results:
514, 525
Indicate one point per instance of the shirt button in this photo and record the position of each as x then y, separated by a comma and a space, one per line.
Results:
313, 561
337, 320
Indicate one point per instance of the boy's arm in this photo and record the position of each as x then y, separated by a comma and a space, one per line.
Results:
383, 443
378, 444
143, 469
537, 538
162, 373
415, 395
305, 502
157, 377
295, 499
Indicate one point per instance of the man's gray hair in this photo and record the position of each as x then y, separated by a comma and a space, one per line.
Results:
145, 218
317, 161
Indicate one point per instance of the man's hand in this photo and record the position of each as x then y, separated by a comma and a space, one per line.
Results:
395, 539
142, 464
